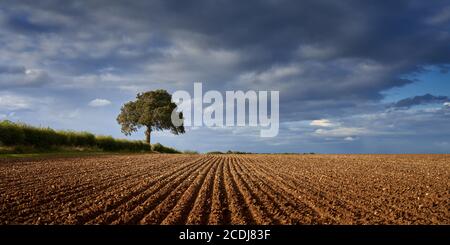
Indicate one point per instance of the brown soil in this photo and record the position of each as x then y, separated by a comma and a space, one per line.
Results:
227, 189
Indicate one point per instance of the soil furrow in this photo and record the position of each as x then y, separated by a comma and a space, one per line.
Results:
283, 205
180, 213
202, 207
220, 213
254, 202
240, 212
117, 211
165, 203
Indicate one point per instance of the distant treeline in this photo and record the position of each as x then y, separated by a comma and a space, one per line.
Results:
163, 149
229, 152
19, 134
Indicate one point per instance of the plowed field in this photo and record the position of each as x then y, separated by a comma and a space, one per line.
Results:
226, 189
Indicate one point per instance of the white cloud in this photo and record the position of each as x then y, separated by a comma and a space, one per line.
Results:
322, 123
99, 102
9, 102
341, 132
447, 104
349, 138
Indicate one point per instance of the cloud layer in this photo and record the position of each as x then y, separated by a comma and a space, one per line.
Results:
331, 61
420, 100
99, 102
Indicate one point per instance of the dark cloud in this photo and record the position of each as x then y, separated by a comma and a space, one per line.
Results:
353, 49
327, 58
267, 34
419, 100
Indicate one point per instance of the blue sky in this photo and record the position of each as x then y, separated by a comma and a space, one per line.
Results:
432, 81
353, 77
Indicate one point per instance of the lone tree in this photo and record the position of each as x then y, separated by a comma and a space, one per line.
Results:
152, 110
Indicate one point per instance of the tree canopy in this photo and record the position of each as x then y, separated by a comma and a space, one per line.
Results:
152, 110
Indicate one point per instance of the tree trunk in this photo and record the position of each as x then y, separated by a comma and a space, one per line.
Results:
147, 135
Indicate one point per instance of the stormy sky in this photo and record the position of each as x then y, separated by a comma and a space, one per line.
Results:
354, 76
